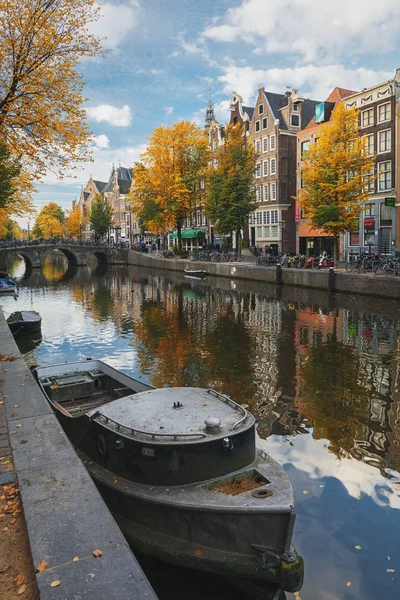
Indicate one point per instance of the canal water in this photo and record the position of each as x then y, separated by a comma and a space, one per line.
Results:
321, 374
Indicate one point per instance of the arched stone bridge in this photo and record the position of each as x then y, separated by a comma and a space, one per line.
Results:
76, 254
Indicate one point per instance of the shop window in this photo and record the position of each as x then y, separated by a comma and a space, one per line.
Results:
354, 238
386, 215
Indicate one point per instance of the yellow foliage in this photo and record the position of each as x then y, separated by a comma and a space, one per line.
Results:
49, 226
74, 222
41, 44
336, 172
166, 180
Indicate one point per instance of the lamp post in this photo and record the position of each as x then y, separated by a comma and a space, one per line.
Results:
80, 231
282, 225
29, 230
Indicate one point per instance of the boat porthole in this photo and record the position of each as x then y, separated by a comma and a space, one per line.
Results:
101, 444
264, 493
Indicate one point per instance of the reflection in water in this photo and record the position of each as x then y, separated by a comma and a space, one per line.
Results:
323, 382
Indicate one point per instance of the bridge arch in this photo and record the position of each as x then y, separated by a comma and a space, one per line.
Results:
101, 256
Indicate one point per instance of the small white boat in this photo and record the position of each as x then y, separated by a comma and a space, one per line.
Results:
179, 469
7, 285
197, 273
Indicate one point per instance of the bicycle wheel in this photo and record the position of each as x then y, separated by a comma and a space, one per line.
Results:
350, 266
389, 271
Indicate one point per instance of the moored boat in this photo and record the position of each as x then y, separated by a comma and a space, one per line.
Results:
24, 321
180, 471
7, 285
198, 273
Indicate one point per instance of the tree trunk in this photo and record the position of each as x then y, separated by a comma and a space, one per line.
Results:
238, 244
179, 233
336, 248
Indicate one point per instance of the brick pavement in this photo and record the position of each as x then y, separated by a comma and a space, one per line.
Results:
6, 463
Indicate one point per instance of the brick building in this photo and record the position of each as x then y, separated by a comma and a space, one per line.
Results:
311, 241
273, 129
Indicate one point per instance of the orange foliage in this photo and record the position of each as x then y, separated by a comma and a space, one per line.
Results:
74, 222
41, 44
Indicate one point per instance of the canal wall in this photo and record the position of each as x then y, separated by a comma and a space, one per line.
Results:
65, 514
370, 285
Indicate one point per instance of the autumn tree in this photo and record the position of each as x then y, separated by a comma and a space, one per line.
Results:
166, 180
230, 188
49, 222
336, 173
100, 215
41, 117
74, 222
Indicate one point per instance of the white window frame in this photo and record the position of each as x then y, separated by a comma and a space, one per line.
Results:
386, 119
258, 170
261, 109
262, 123
258, 193
273, 192
257, 126
265, 144
272, 142
266, 192
379, 141
272, 170
386, 162
364, 112
295, 107
265, 168
257, 145
370, 147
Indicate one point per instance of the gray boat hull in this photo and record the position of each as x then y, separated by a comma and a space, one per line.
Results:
234, 541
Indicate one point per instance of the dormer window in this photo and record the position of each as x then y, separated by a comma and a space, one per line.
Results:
295, 108
260, 109
295, 120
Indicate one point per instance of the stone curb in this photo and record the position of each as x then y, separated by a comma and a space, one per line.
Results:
65, 514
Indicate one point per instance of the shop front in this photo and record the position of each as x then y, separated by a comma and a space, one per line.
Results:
374, 231
313, 242
192, 239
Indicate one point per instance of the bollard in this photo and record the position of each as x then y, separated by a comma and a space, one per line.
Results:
278, 274
331, 279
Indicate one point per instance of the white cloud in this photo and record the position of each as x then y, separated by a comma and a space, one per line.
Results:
149, 71
100, 168
168, 110
119, 117
312, 81
117, 21
101, 141
311, 28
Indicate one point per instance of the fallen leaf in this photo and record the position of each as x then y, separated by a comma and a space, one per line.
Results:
22, 589
162, 427
198, 553
19, 580
244, 405
388, 557
75, 559
5, 396
348, 583
37, 435
97, 553
2, 516
357, 547
1, 402
305, 492
390, 570
12, 432
16, 405
41, 566
55, 583
19, 425
116, 480
23, 441
5, 462
4, 569
13, 521
13, 414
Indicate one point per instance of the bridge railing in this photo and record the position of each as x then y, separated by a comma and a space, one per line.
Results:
7, 244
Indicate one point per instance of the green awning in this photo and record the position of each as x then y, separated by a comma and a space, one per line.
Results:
188, 233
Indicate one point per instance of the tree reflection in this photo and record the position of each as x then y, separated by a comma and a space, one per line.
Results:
333, 399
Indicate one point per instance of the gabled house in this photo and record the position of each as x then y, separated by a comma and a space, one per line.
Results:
276, 120
311, 241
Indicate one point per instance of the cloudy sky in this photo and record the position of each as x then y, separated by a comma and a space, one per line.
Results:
165, 53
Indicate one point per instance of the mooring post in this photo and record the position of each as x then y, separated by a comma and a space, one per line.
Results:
278, 274
331, 279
